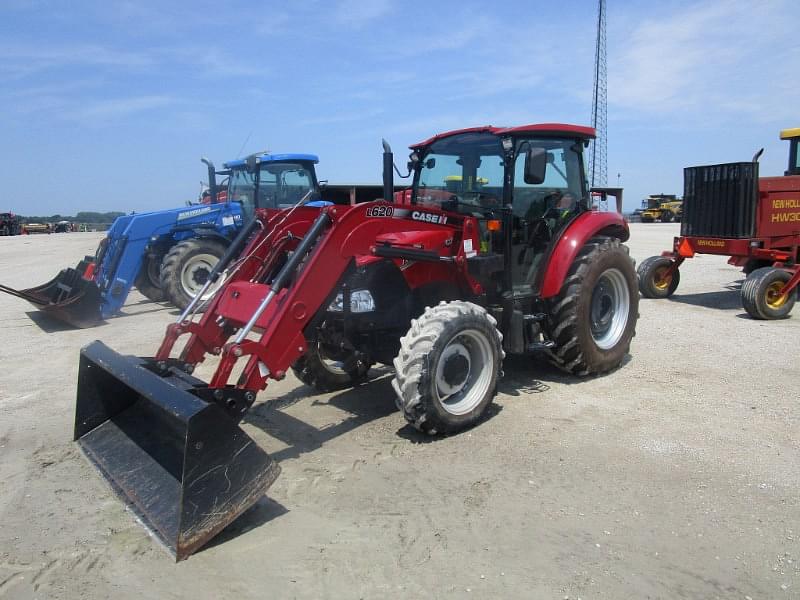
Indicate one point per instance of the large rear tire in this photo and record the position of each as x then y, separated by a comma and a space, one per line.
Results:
593, 318
327, 375
447, 369
148, 282
652, 280
761, 295
186, 268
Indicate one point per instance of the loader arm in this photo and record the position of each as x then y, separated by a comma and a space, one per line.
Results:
343, 234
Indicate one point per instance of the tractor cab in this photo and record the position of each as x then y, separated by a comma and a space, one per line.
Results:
793, 135
524, 185
270, 180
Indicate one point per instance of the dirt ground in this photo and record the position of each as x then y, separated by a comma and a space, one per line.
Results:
674, 477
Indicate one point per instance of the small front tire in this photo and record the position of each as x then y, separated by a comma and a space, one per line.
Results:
325, 375
447, 369
652, 280
148, 281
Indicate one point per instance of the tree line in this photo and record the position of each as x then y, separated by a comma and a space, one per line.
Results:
81, 217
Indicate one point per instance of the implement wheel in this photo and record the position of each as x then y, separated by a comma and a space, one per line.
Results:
447, 369
653, 282
593, 318
761, 294
325, 374
186, 267
148, 281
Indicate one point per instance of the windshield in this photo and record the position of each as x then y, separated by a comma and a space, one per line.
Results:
279, 184
282, 185
462, 172
465, 172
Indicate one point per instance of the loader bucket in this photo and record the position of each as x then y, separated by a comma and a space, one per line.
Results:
67, 297
181, 463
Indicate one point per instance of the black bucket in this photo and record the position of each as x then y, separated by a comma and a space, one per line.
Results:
67, 297
181, 462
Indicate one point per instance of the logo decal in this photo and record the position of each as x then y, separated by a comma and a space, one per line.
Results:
429, 217
193, 213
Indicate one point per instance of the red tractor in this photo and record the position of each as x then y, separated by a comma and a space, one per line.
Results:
729, 210
494, 250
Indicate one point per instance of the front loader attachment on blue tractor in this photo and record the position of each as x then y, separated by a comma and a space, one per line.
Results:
176, 455
68, 297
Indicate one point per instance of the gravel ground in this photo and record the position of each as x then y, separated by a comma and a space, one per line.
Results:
674, 477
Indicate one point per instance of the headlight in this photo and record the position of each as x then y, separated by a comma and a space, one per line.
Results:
361, 301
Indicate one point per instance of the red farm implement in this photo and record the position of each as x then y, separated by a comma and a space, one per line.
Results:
728, 210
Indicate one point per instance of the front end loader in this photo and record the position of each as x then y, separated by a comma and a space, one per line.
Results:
495, 250
168, 254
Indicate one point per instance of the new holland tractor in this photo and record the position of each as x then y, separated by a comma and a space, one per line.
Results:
731, 211
494, 250
167, 255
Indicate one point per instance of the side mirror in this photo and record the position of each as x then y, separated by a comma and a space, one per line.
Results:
251, 163
535, 165
323, 183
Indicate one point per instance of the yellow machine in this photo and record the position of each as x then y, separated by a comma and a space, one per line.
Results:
663, 207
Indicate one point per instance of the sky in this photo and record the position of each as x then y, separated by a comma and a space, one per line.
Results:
109, 105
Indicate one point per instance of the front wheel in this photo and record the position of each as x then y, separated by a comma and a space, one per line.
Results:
186, 268
325, 374
593, 318
761, 294
447, 369
655, 281
148, 282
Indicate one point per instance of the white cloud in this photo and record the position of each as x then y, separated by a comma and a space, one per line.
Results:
357, 13
710, 57
104, 110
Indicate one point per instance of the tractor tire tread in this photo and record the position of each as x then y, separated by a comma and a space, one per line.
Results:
564, 321
411, 364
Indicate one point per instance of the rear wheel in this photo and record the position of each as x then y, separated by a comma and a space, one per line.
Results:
324, 374
447, 369
148, 282
666, 217
186, 268
593, 318
761, 294
654, 282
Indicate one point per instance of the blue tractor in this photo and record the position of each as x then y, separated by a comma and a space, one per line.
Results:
168, 254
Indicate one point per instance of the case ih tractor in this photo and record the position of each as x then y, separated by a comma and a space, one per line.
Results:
728, 210
494, 250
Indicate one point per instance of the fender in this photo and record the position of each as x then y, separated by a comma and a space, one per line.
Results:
584, 227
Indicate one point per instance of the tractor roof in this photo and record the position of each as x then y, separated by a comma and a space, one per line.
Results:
557, 129
788, 134
267, 157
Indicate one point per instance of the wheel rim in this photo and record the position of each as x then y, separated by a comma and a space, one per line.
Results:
464, 372
609, 309
195, 274
660, 278
774, 298
336, 367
